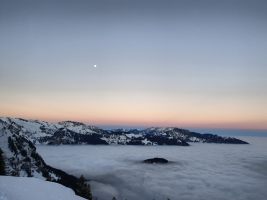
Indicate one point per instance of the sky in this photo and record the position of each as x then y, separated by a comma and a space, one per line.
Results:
186, 63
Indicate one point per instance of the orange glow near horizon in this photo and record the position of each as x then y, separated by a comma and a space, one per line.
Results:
140, 112
139, 109
120, 122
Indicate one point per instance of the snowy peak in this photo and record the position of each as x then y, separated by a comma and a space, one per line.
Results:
188, 136
79, 127
156, 130
71, 123
54, 133
32, 129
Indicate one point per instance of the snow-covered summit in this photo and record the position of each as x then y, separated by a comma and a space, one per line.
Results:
41, 132
79, 127
32, 129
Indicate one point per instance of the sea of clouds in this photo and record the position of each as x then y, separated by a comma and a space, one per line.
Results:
198, 172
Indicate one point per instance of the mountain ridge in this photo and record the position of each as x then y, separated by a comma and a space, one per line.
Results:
71, 132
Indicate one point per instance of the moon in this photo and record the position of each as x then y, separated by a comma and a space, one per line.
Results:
95, 66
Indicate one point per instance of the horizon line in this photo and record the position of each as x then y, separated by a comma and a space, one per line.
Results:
123, 125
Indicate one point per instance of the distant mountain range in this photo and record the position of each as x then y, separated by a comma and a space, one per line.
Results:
69, 132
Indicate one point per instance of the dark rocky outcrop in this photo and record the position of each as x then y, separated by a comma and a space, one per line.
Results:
156, 161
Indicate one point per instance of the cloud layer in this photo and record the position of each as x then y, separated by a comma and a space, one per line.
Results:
199, 172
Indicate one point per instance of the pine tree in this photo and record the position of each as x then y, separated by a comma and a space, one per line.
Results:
84, 188
2, 163
82, 179
12, 146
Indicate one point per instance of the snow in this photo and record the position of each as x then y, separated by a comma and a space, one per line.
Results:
35, 129
78, 127
22, 188
131, 135
146, 142
31, 129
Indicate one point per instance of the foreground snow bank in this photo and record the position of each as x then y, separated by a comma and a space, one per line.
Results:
23, 188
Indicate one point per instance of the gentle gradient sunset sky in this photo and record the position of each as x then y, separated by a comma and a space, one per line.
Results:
190, 63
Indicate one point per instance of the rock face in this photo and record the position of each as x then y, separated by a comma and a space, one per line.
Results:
156, 161
69, 132
19, 158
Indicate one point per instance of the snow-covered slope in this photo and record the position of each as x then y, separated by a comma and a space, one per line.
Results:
79, 127
33, 130
188, 136
66, 132
21, 159
20, 156
69, 132
24, 188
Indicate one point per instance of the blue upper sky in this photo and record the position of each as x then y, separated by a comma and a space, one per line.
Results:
191, 63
